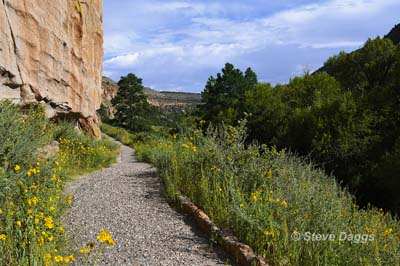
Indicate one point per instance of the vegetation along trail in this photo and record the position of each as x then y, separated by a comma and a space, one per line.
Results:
127, 200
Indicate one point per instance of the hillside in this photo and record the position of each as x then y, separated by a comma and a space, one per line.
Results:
166, 98
156, 98
394, 34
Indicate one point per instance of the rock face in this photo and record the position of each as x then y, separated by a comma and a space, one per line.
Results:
110, 90
51, 51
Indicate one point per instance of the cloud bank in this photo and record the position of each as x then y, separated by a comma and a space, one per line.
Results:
177, 45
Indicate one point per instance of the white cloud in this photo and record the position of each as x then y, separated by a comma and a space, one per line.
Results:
167, 40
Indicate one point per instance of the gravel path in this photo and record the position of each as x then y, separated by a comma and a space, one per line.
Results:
126, 199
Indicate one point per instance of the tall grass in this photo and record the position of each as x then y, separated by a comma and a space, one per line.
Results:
269, 198
31, 185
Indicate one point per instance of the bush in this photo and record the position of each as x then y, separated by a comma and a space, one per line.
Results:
264, 196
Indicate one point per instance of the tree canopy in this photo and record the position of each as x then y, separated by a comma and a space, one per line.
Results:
131, 103
223, 96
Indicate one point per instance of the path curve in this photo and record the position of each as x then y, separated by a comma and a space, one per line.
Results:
127, 200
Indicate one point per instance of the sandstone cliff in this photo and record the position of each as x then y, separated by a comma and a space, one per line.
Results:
51, 52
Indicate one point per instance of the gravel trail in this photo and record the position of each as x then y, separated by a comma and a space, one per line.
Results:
126, 199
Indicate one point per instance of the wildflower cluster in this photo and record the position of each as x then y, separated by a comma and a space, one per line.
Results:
93, 251
83, 152
32, 181
29, 219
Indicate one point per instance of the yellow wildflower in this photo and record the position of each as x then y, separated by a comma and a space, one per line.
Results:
58, 258
40, 241
105, 237
184, 145
69, 199
18, 223
17, 167
284, 203
52, 209
254, 197
34, 186
388, 232
268, 233
268, 174
1, 211
47, 256
48, 222
3, 237
34, 200
241, 205
84, 250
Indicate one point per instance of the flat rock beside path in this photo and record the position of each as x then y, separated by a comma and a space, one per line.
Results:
127, 200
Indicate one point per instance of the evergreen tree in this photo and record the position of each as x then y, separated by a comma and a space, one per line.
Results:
223, 96
131, 104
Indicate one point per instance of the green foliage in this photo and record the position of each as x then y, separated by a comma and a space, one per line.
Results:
223, 96
131, 104
372, 75
32, 180
21, 135
312, 115
345, 118
265, 197
81, 153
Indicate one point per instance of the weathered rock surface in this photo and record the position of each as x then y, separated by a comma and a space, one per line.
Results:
51, 52
110, 90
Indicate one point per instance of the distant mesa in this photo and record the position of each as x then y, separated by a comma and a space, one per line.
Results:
156, 98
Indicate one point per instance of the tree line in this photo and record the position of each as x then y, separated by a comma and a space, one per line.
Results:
345, 116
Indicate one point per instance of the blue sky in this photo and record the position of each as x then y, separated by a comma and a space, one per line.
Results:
177, 45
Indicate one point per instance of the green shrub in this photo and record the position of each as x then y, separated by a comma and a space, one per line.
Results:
265, 196
81, 153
